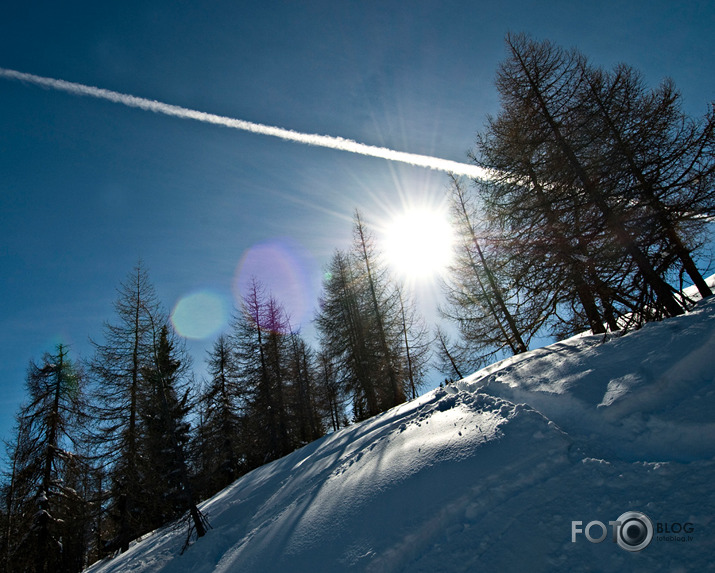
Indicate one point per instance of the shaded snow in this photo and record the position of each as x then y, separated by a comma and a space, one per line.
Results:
488, 473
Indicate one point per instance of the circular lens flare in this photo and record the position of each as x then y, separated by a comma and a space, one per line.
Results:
199, 315
282, 267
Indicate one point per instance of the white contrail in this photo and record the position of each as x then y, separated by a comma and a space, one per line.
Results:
288, 134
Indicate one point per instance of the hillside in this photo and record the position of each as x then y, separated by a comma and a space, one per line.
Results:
488, 474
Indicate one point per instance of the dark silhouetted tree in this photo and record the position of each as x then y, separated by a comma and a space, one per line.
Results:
373, 344
166, 483
116, 369
49, 520
543, 96
493, 312
218, 448
259, 338
600, 188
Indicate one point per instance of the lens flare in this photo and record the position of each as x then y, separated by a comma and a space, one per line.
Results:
284, 268
199, 315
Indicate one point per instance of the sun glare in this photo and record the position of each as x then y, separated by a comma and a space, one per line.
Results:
418, 243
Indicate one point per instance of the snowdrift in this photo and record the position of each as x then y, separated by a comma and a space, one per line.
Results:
489, 473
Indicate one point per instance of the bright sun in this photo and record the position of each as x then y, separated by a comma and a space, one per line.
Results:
418, 243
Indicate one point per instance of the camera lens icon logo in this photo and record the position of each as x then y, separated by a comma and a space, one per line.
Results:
635, 531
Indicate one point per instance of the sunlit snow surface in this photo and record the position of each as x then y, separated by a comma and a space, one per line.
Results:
488, 473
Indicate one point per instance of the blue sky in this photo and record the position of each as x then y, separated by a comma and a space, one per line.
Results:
87, 187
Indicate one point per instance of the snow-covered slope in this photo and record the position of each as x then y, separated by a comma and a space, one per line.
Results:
489, 473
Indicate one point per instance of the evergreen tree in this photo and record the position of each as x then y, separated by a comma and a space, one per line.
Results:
664, 159
416, 351
166, 484
451, 357
344, 333
556, 251
546, 81
47, 519
332, 394
219, 448
304, 415
372, 342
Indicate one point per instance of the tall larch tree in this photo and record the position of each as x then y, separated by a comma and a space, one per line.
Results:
541, 86
116, 369
600, 189
493, 312
372, 341
258, 336
383, 312
345, 336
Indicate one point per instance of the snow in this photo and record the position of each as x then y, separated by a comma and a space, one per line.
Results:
488, 473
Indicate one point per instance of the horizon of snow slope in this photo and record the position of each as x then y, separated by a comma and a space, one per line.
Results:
487, 474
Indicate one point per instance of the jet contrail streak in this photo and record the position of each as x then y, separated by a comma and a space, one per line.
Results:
287, 134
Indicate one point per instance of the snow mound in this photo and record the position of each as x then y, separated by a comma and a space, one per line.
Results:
645, 396
489, 473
